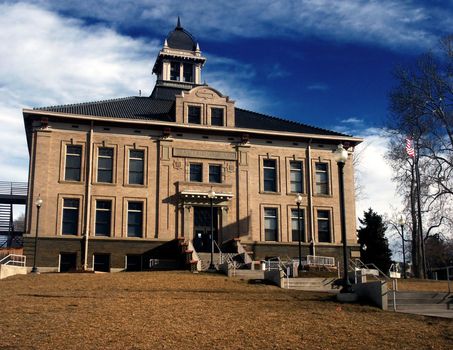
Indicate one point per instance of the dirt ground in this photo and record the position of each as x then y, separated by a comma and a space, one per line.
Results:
180, 310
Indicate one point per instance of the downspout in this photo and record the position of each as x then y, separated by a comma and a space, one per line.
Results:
88, 196
310, 198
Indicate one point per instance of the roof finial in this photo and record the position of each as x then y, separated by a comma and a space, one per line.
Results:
198, 48
178, 25
165, 44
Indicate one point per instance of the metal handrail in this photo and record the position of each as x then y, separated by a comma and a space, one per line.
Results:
359, 264
14, 259
278, 265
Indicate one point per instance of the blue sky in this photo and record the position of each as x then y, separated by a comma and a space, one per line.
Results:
324, 63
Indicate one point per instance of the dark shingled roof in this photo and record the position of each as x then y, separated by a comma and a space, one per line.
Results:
125, 108
160, 106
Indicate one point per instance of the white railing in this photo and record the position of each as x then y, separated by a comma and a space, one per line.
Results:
280, 266
359, 264
14, 260
320, 260
228, 258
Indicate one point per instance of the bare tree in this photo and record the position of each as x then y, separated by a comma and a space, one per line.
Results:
422, 108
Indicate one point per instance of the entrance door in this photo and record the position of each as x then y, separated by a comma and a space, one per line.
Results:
68, 262
202, 228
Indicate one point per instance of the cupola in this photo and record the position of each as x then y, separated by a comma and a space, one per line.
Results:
179, 61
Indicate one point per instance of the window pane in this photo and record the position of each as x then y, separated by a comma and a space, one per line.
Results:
296, 177
323, 226
215, 172
269, 174
295, 227
321, 177
270, 224
136, 164
105, 165
73, 162
70, 216
188, 72
135, 219
174, 71
103, 218
194, 114
217, 116
196, 172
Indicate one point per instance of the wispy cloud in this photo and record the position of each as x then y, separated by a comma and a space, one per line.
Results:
389, 23
318, 87
277, 72
352, 120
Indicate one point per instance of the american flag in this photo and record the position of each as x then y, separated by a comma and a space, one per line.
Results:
410, 147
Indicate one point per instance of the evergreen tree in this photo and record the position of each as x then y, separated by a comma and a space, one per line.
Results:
372, 235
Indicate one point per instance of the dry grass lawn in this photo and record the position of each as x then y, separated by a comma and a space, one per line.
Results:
416, 285
180, 310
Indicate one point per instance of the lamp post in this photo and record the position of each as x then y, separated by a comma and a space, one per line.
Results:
38, 204
211, 196
298, 202
341, 156
402, 222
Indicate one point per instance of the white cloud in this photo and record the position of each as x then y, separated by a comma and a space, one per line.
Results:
389, 23
375, 175
352, 120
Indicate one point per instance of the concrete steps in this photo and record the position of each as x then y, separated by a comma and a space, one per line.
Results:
205, 259
310, 284
422, 302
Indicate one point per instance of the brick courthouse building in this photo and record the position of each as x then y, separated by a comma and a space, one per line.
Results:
134, 174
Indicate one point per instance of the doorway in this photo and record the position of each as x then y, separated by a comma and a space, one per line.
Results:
202, 228
68, 262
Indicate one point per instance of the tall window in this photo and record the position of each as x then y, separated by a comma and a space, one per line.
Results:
103, 217
295, 227
174, 71
324, 226
215, 173
296, 177
270, 224
196, 172
73, 163
136, 162
322, 178
194, 114
135, 219
270, 175
188, 72
70, 216
105, 165
217, 116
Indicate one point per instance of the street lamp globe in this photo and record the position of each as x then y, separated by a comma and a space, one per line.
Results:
211, 193
402, 221
299, 199
341, 155
38, 202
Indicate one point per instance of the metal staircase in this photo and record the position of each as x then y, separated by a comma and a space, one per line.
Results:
11, 193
